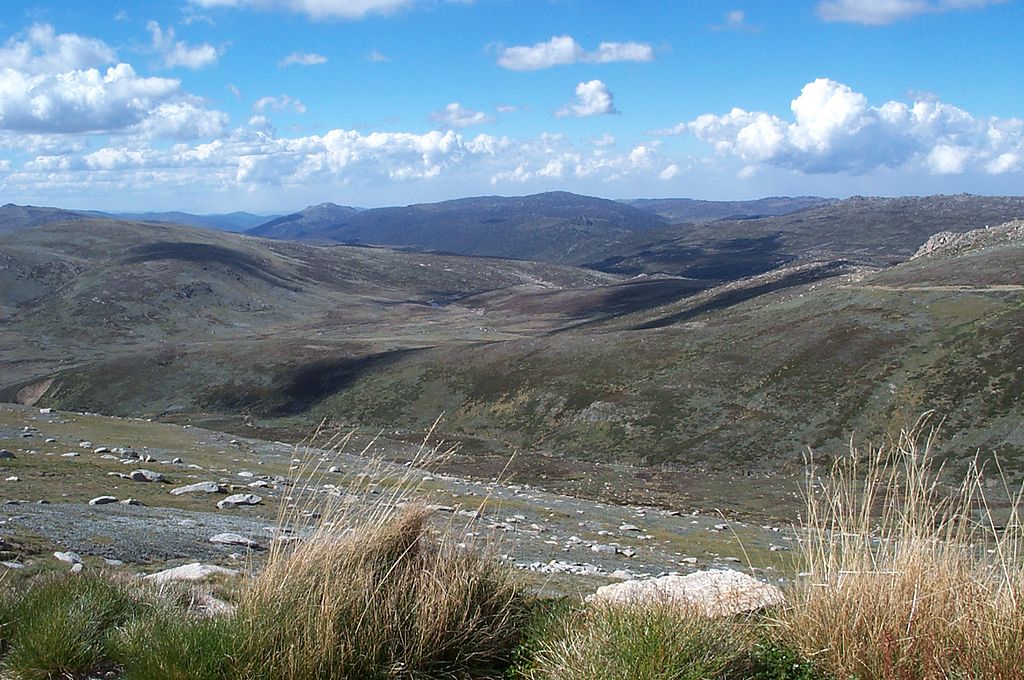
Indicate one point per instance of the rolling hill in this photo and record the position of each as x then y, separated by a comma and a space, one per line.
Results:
550, 227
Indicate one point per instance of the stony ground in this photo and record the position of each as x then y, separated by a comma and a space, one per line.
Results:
62, 462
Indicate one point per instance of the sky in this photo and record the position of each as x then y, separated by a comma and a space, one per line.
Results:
271, 105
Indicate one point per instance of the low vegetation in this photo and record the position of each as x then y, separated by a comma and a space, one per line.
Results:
901, 577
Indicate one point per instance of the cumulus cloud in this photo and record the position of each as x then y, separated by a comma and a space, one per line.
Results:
43, 51
316, 9
835, 129
54, 84
302, 59
561, 50
282, 103
456, 116
176, 53
882, 12
592, 98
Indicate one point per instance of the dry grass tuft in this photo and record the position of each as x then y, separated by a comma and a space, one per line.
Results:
369, 591
905, 577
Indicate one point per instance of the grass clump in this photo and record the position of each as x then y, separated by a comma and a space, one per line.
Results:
639, 642
905, 578
61, 626
382, 601
373, 590
171, 645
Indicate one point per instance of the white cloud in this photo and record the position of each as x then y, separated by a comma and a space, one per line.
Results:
882, 12
735, 20
282, 103
377, 56
177, 53
454, 115
43, 51
669, 172
592, 98
52, 85
316, 9
302, 59
834, 129
561, 50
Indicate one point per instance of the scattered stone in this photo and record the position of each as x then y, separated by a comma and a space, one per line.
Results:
85, 445
235, 539
715, 592
629, 527
145, 476
246, 474
101, 449
77, 568
103, 500
198, 487
110, 562
721, 527
13, 478
46, 411
69, 557
190, 572
234, 500
50, 440
13, 565
131, 501
604, 549
6, 455
259, 484
334, 468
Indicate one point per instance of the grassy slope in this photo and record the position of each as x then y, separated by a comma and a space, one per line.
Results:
623, 373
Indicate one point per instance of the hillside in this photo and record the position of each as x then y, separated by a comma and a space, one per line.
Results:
652, 385
17, 217
693, 211
552, 227
869, 231
234, 221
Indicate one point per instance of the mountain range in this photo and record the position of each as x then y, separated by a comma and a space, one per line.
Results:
689, 350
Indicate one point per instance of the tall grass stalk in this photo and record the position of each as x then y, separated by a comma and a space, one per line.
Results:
905, 577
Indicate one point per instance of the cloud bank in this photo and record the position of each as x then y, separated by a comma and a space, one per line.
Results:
835, 130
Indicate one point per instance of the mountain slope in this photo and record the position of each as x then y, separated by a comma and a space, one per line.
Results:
695, 211
17, 217
552, 227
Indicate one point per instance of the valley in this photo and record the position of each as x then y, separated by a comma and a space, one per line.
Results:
702, 357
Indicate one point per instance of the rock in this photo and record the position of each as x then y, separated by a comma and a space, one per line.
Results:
629, 527
69, 454
69, 557
198, 487
131, 501
145, 476
46, 411
246, 474
85, 445
103, 500
110, 562
13, 565
334, 468
235, 539
190, 572
604, 549
13, 478
715, 592
237, 499
76, 568
259, 484
6, 455
101, 449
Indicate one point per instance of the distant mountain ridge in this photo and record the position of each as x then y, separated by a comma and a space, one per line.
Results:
554, 226
17, 217
699, 212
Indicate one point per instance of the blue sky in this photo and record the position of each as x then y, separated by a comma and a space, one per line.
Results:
270, 105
